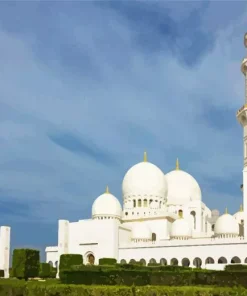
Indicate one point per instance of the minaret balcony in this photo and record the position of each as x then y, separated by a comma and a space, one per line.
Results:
244, 66
242, 115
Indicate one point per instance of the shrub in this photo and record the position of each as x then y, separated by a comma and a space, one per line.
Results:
1, 273
152, 276
68, 260
45, 270
107, 261
26, 263
154, 264
53, 272
236, 267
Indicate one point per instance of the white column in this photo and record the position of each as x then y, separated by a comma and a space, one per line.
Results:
63, 240
5, 249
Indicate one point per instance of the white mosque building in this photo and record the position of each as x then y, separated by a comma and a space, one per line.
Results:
163, 220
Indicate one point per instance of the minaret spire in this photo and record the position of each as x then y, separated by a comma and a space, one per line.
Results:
177, 165
242, 119
241, 208
145, 157
107, 189
226, 211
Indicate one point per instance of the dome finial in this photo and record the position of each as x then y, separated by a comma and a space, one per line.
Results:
145, 158
226, 211
241, 208
107, 189
177, 165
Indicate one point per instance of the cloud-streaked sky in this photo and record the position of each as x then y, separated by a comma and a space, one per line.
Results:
86, 87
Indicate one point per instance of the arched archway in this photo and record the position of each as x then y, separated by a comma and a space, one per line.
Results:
245, 260
197, 262
180, 213
90, 259
132, 261
235, 260
174, 262
163, 261
222, 260
143, 262
123, 261
209, 260
56, 264
152, 261
153, 237
193, 214
186, 262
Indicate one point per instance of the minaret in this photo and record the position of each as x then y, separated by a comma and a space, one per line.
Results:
242, 119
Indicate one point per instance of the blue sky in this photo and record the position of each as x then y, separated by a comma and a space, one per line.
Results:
86, 87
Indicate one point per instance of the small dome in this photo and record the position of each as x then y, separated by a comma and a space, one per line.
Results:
226, 225
143, 179
180, 229
107, 205
239, 216
182, 187
141, 231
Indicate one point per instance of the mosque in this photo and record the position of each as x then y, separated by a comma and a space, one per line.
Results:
163, 220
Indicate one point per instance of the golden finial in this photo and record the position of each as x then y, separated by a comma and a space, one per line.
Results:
107, 190
241, 208
226, 211
177, 165
145, 159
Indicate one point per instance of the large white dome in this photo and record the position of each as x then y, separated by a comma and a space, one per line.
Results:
180, 229
182, 187
226, 225
144, 179
141, 231
107, 205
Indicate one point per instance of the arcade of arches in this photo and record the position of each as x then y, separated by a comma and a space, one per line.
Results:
196, 262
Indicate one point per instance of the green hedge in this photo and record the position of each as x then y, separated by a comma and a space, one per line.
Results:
92, 276
25, 263
1, 273
45, 270
68, 260
107, 261
19, 288
236, 267
53, 272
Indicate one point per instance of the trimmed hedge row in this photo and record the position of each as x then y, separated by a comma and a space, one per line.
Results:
68, 260
107, 261
26, 263
101, 276
20, 288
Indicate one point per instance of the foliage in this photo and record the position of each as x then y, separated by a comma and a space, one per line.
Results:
68, 260
151, 276
51, 288
26, 263
236, 267
53, 273
107, 261
45, 270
